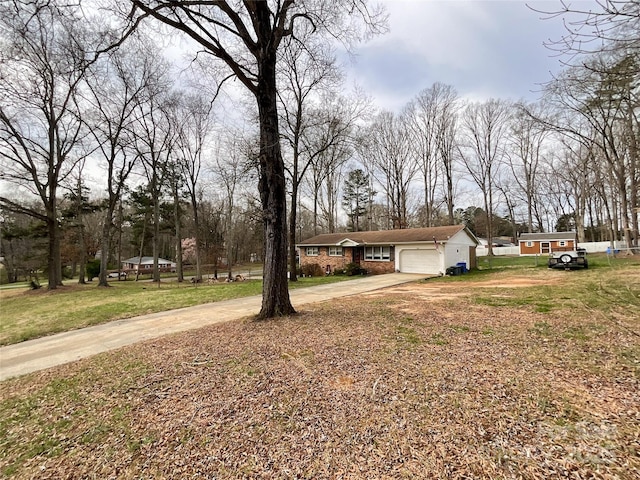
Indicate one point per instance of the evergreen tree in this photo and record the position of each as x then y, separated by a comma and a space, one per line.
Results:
356, 197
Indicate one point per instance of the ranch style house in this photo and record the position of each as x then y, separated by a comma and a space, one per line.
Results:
146, 265
416, 250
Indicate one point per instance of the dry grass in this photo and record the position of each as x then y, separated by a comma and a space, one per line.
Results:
393, 387
28, 314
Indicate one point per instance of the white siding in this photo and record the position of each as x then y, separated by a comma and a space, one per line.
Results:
457, 250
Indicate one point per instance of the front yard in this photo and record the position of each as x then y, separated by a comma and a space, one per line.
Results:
27, 314
505, 374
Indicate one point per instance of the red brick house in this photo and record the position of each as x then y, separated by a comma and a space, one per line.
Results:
416, 250
546, 243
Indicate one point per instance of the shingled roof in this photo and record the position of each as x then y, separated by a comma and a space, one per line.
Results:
386, 237
547, 236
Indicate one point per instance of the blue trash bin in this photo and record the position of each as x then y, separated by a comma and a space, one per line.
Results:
463, 267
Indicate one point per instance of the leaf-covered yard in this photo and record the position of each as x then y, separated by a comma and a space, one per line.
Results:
478, 384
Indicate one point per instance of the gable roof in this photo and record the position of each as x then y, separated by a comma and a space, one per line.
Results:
147, 261
528, 237
386, 237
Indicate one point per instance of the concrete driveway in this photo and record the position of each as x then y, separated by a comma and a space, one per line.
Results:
41, 353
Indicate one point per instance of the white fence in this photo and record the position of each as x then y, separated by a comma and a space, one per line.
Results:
590, 247
599, 247
483, 251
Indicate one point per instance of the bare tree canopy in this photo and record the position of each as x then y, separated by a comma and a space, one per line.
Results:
485, 126
431, 122
247, 37
592, 27
45, 54
387, 148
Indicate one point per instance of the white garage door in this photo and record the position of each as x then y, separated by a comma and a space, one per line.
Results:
419, 261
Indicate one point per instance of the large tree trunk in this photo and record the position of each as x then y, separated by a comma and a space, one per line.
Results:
275, 290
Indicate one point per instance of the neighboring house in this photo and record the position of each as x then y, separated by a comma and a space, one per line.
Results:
415, 250
496, 242
146, 265
546, 243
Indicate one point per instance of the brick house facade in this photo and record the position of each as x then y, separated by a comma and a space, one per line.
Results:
332, 258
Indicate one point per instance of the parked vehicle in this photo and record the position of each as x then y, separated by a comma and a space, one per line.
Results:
569, 260
123, 275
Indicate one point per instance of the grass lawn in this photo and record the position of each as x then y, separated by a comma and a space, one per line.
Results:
509, 373
27, 314
596, 260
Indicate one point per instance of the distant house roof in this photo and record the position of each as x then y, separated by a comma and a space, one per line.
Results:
386, 237
147, 261
528, 237
496, 241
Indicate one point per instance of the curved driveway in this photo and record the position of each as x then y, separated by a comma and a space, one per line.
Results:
41, 353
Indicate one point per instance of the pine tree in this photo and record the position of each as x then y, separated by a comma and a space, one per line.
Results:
356, 197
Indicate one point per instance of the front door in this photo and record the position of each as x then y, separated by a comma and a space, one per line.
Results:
356, 255
545, 247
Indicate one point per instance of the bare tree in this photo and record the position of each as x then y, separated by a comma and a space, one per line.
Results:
329, 145
117, 85
485, 129
44, 58
603, 42
431, 123
247, 37
577, 161
154, 142
324, 186
306, 68
386, 149
603, 26
194, 128
605, 97
79, 206
230, 167
420, 117
446, 143
526, 141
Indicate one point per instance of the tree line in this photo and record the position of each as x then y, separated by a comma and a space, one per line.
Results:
109, 147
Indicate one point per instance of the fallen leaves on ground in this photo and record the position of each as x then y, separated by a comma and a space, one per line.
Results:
394, 387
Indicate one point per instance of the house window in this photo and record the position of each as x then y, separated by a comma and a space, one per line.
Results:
382, 254
312, 251
529, 244
335, 251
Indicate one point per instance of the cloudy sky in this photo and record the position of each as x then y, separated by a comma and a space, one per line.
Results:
484, 48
